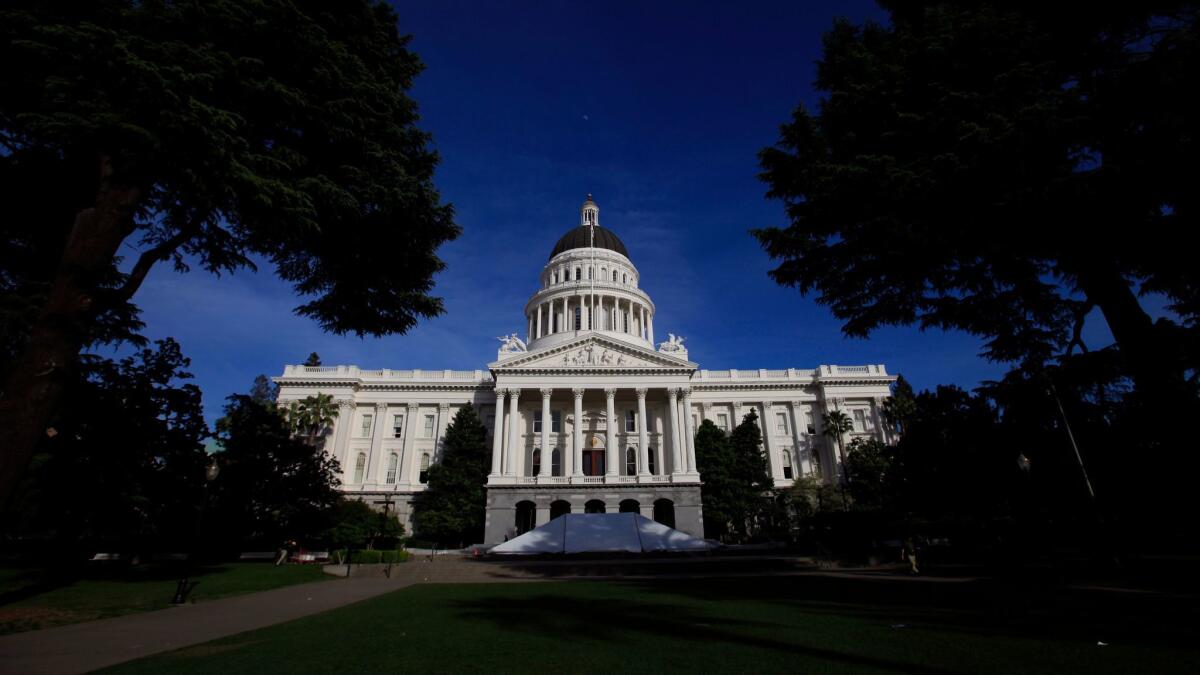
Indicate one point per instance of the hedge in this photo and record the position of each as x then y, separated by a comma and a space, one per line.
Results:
371, 557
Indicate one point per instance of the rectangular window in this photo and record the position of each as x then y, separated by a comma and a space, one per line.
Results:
537, 423
630, 421
787, 462
860, 420
365, 430
723, 422
556, 421
781, 426
397, 426
429, 426
578, 319
808, 422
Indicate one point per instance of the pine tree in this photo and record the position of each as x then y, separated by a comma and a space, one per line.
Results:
750, 473
452, 510
714, 461
313, 360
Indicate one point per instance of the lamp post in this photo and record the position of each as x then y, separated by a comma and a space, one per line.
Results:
181, 590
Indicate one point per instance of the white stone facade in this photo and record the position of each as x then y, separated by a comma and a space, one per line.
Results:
618, 414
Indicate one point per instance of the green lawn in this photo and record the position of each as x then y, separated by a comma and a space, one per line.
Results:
31, 598
797, 625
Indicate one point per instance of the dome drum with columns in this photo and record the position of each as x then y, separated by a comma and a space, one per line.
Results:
586, 413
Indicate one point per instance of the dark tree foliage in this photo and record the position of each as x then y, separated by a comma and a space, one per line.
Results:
209, 133
313, 360
899, 408
273, 486
1003, 168
357, 525
264, 391
870, 474
737, 482
125, 467
452, 510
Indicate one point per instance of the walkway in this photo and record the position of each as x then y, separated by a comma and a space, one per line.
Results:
87, 646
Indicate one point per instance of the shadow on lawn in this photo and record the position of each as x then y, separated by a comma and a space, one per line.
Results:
39, 582
604, 620
987, 607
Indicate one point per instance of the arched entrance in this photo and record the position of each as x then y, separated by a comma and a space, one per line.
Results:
629, 506
594, 506
526, 516
558, 508
664, 512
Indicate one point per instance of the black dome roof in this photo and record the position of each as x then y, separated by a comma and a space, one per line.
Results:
579, 237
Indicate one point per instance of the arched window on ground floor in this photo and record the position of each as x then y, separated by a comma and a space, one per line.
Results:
664, 512
594, 506
559, 507
526, 516
630, 506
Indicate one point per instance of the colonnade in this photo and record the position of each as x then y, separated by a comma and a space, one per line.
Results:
680, 436
596, 312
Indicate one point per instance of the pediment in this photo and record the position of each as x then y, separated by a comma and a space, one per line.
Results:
593, 353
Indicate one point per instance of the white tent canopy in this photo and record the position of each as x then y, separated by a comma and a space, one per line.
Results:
601, 533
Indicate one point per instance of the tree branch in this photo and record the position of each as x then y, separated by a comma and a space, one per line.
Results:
148, 259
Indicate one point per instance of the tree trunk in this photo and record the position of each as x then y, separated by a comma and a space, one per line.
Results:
43, 370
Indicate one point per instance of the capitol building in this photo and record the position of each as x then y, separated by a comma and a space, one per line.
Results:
587, 412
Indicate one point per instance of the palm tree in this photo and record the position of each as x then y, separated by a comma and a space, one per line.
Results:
312, 416
834, 425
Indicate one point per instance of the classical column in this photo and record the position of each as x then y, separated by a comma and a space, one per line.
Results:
687, 426
881, 434
497, 432
341, 433
514, 433
652, 330
406, 451
673, 407
642, 326
610, 437
767, 425
539, 321
376, 442
797, 464
440, 424
577, 435
643, 435
547, 448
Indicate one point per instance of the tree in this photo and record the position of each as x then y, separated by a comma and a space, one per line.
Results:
900, 406
264, 391
312, 417
313, 360
714, 461
214, 134
737, 483
452, 510
125, 466
357, 525
273, 486
834, 425
977, 166
869, 474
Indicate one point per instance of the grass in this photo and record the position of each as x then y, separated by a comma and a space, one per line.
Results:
794, 624
33, 598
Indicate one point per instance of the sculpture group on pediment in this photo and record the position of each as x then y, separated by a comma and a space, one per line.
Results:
674, 343
511, 344
594, 356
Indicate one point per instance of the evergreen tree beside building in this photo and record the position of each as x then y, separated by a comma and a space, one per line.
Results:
452, 510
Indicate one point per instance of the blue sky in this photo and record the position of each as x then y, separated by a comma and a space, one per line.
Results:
659, 110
